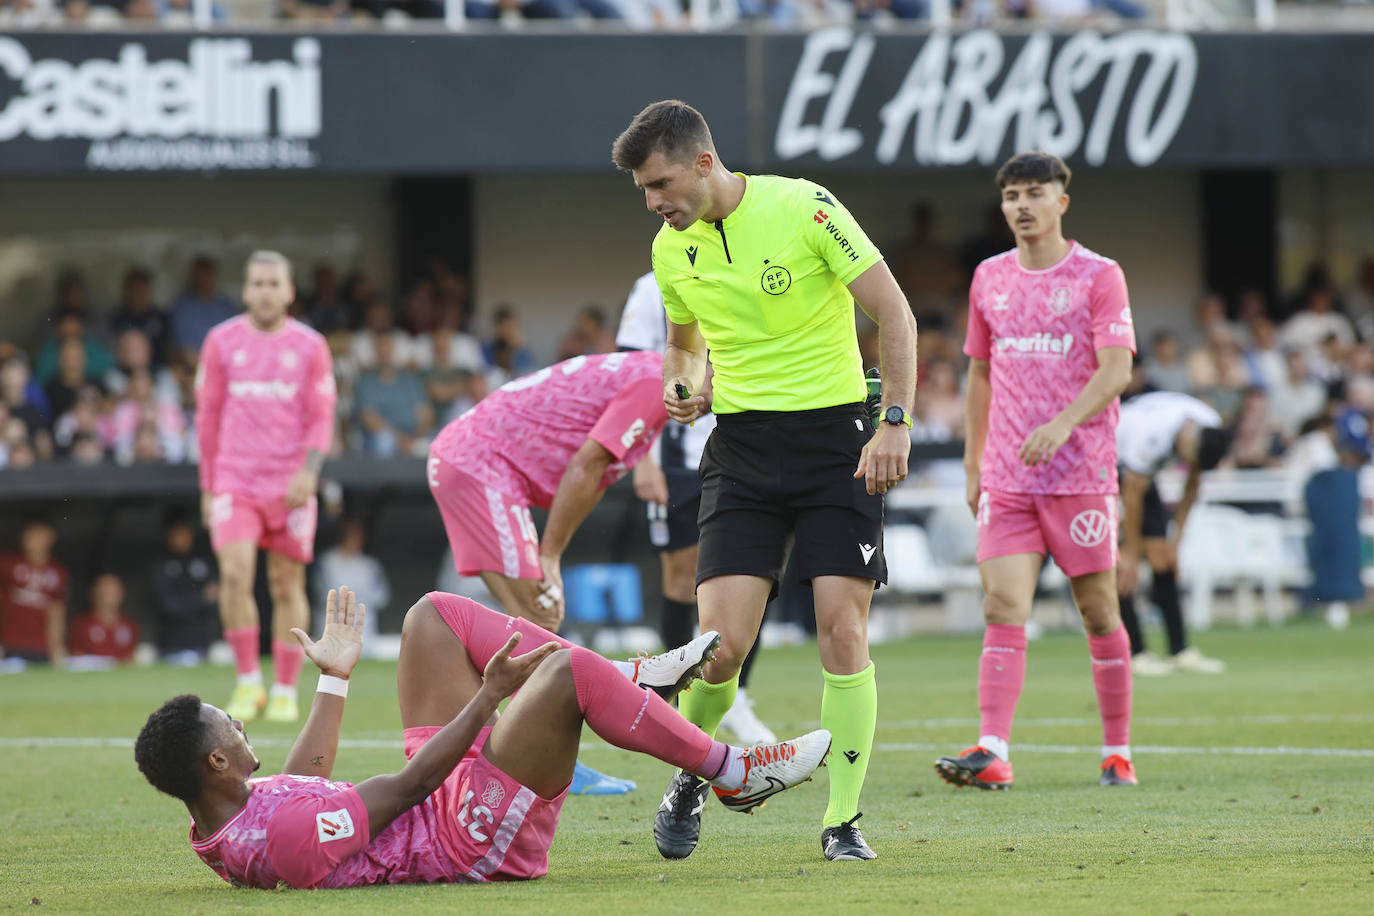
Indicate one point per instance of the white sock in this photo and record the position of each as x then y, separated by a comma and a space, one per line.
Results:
732, 777
625, 668
997, 746
252, 678
1123, 750
282, 690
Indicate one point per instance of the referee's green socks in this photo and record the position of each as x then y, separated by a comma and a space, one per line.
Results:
704, 705
849, 709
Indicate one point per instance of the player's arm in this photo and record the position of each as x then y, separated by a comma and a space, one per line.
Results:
1133, 488
388, 796
579, 490
977, 401
684, 363
336, 654
883, 461
210, 386
1106, 384
1192, 485
318, 415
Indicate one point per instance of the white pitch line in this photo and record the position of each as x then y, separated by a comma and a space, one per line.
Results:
1163, 721
1282, 750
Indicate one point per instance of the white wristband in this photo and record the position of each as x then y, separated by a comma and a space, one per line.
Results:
335, 685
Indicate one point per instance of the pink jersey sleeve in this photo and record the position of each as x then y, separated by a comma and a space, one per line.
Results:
320, 398
635, 414
309, 835
209, 404
1111, 310
977, 338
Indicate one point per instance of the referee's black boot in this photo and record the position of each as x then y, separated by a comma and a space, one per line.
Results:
844, 842
677, 825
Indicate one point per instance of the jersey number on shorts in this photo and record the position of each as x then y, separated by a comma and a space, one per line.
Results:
475, 818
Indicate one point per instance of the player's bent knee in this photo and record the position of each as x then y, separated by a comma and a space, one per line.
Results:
421, 615
1004, 610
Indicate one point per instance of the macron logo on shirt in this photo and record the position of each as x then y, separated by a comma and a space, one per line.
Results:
1042, 344
334, 825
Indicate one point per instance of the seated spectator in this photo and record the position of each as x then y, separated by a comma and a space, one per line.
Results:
72, 326
326, 309
1359, 299
347, 562
515, 358
186, 586
105, 630
200, 306
29, 14
1167, 371
82, 420
62, 389
1317, 320
420, 310
379, 322
181, 13
1216, 371
136, 312
588, 335
1264, 360
25, 423
1257, 443
542, 9
134, 353
447, 359
1296, 396
33, 597
391, 408
939, 408
145, 426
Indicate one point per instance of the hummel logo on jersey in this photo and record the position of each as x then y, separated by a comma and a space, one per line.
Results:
867, 551
692, 255
821, 216
1000, 302
820, 195
851, 756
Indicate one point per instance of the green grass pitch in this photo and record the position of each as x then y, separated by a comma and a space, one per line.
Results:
1256, 795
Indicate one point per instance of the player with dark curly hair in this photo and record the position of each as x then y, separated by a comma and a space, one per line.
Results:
479, 797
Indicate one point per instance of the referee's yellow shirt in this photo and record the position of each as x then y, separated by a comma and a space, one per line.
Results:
767, 287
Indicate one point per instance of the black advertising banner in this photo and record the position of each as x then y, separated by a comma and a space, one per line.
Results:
838, 98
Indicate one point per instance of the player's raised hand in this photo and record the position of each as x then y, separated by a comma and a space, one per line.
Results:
341, 644
301, 487
550, 604
1044, 441
883, 461
651, 484
505, 675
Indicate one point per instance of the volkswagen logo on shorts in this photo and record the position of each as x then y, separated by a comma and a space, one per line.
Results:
1088, 528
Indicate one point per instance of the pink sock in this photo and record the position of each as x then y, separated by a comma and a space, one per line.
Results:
286, 661
636, 719
244, 642
484, 631
1001, 673
1112, 677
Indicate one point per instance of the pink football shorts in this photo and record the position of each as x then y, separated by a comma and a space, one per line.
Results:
490, 826
1078, 531
266, 521
487, 529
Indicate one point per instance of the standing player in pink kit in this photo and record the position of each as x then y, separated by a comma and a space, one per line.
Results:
1050, 341
479, 796
555, 439
264, 416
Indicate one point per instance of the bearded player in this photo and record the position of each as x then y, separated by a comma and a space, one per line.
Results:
264, 417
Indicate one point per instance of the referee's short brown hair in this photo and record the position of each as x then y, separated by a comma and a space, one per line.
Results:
671, 127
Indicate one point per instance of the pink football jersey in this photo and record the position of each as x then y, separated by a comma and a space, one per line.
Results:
521, 437
262, 401
1040, 331
306, 831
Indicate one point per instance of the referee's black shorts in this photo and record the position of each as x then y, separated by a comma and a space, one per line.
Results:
1154, 519
767, 475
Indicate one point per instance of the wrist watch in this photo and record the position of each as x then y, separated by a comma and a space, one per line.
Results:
897, 416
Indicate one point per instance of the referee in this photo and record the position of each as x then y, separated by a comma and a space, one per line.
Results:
764, 272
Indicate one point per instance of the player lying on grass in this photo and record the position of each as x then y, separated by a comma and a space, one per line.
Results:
479, 796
